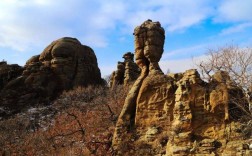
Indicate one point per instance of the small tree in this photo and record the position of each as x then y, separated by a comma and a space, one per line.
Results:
237, 62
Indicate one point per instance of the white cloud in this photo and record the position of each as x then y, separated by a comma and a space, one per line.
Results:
188, 51
29, 23
94, 40
171, 14
234, 11
236, 28
25, 23
181, 65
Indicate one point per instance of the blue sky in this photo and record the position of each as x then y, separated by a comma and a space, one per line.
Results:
192, 27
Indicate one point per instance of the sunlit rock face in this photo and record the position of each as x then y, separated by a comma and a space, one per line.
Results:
149, 43
176, 114
64, 64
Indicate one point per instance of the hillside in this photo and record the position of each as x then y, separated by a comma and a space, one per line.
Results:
59, 105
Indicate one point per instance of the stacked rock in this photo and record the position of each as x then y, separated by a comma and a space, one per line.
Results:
149, 43
131, 69
126, 73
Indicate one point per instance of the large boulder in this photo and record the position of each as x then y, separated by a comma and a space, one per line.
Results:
64, 64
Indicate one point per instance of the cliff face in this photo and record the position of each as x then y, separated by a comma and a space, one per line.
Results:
177, 114
64, 64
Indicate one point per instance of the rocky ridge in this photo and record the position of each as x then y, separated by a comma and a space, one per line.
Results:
177, 114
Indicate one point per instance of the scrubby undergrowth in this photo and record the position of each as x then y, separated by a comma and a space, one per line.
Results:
79, 122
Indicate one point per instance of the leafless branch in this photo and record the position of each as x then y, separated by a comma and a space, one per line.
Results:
237, 62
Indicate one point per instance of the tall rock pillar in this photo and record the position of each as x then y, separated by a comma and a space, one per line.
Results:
149, 42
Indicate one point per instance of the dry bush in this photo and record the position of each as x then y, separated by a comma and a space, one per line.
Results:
83, 125
237, 62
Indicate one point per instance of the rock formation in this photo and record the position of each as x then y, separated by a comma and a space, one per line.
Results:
176, 114
64, 64
117, 77
126, 73
131, 69
8, 73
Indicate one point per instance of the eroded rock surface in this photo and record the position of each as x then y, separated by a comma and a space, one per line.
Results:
127, 72
64, 64
177, 114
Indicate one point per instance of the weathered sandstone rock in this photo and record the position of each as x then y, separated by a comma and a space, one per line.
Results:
131, 69
64, 64
149, 42
177, 114
118, 75
127, 72
148, 52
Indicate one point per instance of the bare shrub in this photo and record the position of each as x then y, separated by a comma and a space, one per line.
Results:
83, 125
234, 60
237, 62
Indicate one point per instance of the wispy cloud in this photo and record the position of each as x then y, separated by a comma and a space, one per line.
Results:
25, 23
172, 14
30, 25
236, 28
186, 51
234, 11
180, 65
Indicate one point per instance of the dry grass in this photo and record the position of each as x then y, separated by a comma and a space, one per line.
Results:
79, 122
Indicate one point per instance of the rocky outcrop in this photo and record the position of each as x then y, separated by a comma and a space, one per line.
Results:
117, 77
149, 40
127, 72
177, 114
64, 64
8, 73
131, 69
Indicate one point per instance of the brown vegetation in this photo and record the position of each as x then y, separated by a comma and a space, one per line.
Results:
79, 122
